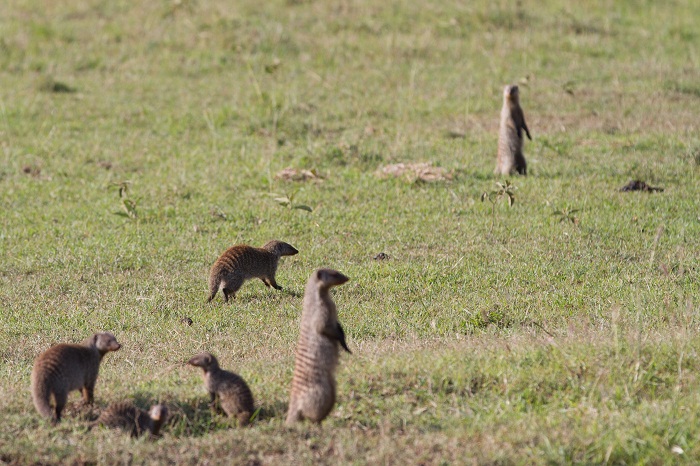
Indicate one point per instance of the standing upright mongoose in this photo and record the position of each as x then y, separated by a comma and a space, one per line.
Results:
231, 390
124, 415
510, 136
313, 384
66, 367
242, 262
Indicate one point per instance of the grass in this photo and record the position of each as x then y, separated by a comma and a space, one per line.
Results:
493, 334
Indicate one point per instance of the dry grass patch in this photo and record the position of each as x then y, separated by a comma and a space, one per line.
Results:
298, 174
412, 172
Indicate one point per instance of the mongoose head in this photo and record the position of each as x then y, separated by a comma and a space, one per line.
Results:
511, 92
280, 248
104, 342
206, 361
158, 412
328, 278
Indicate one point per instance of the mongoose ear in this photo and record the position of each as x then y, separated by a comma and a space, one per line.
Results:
95, 337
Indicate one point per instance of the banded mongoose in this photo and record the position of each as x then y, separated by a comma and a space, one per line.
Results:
124, 415
66, 367
233, 393
313, 385
242, 262
510, 136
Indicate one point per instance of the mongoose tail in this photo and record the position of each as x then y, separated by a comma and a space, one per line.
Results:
214, 284
41, 396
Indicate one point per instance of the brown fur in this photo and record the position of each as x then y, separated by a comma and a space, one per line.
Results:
240, 263
510, 136
313, 385
66, 367
124, 415
233, 393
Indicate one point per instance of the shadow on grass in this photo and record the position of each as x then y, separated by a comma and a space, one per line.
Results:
194, 417
276, 410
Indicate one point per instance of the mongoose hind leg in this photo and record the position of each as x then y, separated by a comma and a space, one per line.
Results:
293, 415
520, 164
267, 283
216, 409
231, 285
88, 394
274, 284
318, 403
244, 418
61, 399
233, 409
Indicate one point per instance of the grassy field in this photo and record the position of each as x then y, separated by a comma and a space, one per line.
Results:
562, 329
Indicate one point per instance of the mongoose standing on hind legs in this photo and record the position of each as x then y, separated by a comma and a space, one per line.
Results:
240, 263
510, 136
231, 390
66, 367
124, 415
313, 385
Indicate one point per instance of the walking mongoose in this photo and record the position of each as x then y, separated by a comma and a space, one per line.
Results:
124, 415
313, 385
242, 262
510, 136
66, 367
233, 393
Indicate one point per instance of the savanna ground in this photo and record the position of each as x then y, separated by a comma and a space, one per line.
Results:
562, 329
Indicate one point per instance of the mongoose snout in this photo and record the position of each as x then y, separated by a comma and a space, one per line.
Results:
203, 360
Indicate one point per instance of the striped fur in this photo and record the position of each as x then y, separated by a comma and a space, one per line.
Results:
67, 367
313, 385
233, 393
242, 262
510, 136
124, 415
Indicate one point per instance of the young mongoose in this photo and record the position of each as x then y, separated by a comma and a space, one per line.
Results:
313, 385
240, 263
124, 415
233, 393
510, 136
66, 367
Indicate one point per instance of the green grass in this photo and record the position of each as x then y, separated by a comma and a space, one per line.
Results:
490, 335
